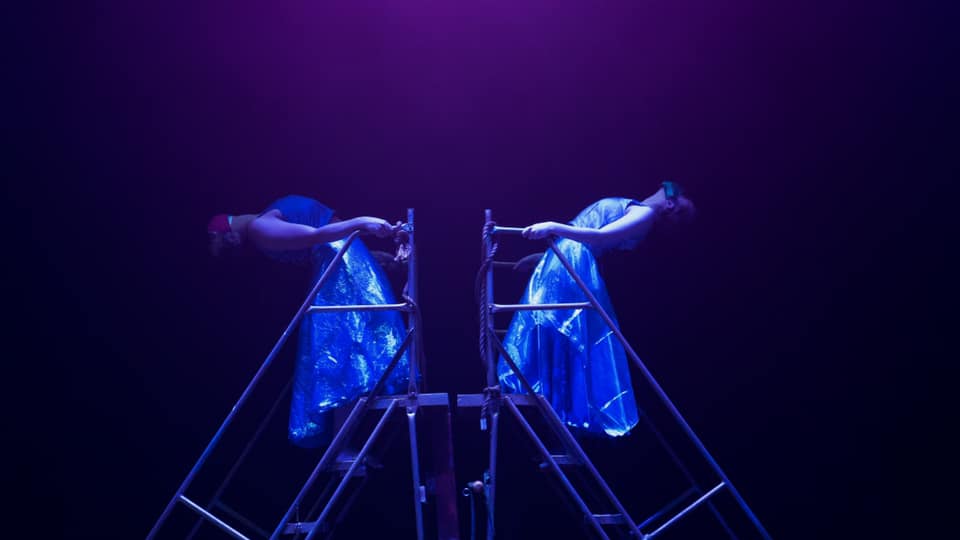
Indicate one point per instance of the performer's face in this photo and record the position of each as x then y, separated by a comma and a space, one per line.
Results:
218, 241
679, 210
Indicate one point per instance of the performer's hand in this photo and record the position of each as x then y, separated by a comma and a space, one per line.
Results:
376, 226
401, 237
540, 230
403, 253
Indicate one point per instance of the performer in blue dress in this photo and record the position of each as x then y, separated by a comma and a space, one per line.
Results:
340, 355
572, 357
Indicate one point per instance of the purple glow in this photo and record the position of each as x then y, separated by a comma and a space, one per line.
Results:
775, 323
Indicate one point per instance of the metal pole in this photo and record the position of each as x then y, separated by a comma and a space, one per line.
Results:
572, 445
353, 467
243, 455
496, 308
587, 514
346, 430
213, 519
358, 307
660, 392
415, 468
488, 302
491, 380
686, 473
557, 426
413, 292
492, 474
253, 383
328, 456
669, 506
683, 512
413, 388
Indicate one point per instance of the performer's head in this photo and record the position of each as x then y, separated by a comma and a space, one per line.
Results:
221, 235
670, 205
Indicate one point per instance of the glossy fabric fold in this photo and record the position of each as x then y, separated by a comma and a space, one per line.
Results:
341, 355
571, 356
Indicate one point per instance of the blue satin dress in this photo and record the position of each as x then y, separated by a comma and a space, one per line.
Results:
571, 356
340, 356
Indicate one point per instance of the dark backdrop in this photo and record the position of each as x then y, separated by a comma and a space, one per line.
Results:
794, 325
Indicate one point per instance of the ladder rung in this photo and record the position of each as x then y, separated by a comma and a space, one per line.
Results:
565, 459
343, 463
690, 507
348, 456
359, 307
497, 308
213, 519
432, 399
299, 527
342, 466
669, 506
220, 505
610, 519
469, 400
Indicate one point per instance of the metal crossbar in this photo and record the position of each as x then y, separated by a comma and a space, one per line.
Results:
492, 400
371, 402
215, 500
496, 308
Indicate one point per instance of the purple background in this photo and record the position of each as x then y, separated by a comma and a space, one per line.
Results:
793, 325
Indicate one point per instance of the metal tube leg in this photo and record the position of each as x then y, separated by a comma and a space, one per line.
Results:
350, 472
686, 473
243, 455
545, 455
492, 475
632, 354
253, 383
415, 468
329, 455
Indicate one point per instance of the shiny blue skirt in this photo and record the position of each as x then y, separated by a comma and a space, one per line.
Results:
342, 355
571, 356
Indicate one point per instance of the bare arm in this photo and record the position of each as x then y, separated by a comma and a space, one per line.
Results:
271, 233
635, 224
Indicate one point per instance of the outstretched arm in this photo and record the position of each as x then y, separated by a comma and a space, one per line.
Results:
270, 232
634, 224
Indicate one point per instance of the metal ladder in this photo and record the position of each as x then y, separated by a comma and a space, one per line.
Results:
568, 461
338, 462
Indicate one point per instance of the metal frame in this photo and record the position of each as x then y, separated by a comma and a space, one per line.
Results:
389, 404
492, 401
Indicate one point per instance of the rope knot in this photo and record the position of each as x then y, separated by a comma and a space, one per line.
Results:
491, 397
